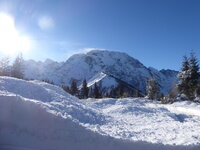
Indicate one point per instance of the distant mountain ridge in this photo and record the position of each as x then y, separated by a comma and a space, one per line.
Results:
107, 68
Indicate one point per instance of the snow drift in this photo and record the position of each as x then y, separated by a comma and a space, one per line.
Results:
144, 120
39, 116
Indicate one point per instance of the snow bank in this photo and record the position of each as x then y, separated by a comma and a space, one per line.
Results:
50, 119
30, 124
57, 100
144, 120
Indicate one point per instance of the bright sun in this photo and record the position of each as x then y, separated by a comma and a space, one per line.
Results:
11, 42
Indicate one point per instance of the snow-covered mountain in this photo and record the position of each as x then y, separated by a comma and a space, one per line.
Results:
107, 68
41, 70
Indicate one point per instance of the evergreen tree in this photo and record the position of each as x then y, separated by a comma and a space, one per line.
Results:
96, 91
4, 66
136, 93
113, 92
189, 77
193, 76
183, 76
91, 93
152, 89
18, 67
120, 91
198, 89
74, 88
84, 90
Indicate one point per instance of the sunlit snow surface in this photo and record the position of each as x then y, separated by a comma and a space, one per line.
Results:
141, 119
37, 115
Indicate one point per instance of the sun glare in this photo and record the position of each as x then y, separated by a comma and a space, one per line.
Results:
11, 42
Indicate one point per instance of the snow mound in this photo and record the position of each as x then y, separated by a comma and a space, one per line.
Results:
143, 120
35, 115
28, 124
56, 98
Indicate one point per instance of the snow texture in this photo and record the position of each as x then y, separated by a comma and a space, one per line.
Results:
143, 120
38, 116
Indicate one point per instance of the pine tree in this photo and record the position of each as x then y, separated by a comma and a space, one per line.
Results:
113, 92
4, 66
198, 89
152, 89
136, 93
96, 91
189, 77
183, 77
84, 90
74, 88
18, 67
120, 91
91, 93
193, 76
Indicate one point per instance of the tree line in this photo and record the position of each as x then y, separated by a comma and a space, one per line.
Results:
84, 92
96, 91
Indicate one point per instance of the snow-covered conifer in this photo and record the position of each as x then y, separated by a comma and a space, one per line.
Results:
189, 77
152, 89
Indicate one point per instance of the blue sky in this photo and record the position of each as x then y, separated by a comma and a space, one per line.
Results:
156, 32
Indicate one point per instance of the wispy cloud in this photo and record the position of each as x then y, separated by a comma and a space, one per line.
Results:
68, 48
46, 22
85, 50
69, 53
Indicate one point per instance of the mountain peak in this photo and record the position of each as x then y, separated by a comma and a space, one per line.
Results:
117, 65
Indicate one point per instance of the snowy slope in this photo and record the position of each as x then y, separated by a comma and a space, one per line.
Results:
32, 125
144, 120
115, 65
50, 121
38, 116
62, 102
106, 82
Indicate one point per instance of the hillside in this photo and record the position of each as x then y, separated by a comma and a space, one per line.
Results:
36, 115
118, 67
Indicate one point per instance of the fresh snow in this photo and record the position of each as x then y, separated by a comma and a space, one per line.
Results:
143, 120
39, 116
